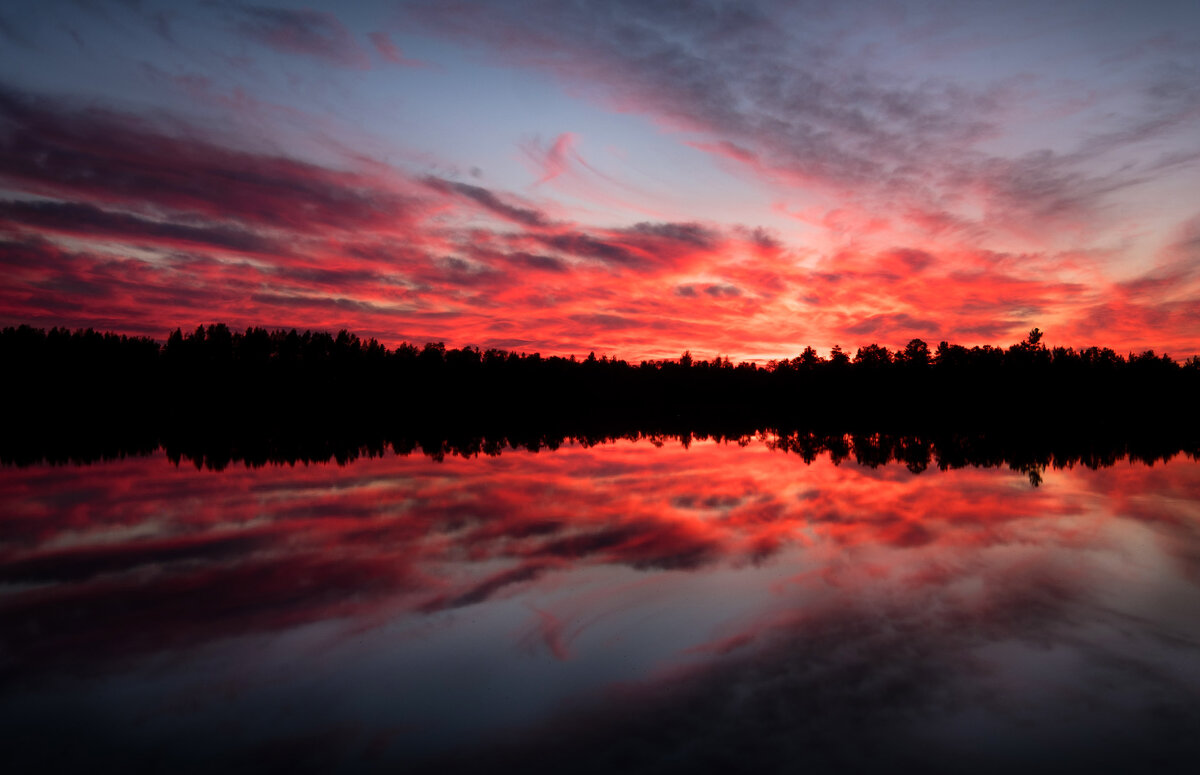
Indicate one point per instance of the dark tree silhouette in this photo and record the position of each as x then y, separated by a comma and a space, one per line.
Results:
102, 392
915, 354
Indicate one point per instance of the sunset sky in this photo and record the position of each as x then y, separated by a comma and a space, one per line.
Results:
629, 178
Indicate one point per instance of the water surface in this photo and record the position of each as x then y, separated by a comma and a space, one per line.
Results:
636, 605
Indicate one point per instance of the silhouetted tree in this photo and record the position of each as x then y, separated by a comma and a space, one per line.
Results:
809, 359
872, 356
915, 353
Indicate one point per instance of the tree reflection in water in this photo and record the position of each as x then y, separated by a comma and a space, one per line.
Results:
792, 600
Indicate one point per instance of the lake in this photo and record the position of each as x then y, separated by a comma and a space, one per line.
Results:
644, 605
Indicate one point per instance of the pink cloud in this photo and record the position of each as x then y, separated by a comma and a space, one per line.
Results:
388, 50
555, 159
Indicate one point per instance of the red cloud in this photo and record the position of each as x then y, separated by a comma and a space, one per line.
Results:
387, 49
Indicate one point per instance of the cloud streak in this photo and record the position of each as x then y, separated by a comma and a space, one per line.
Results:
308, 33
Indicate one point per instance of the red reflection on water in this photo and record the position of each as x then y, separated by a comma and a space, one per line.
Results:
112, 561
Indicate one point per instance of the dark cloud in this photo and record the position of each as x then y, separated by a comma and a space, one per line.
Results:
74, 623
689, 233
108, 158
90, 221
725, 291
1042, 185
461, 273
335, 277
763, 239
490, 586
18, 254
643, 543
75, 565
643, 246
501, 260
537, 261
387, 49
861, 688
489, 201
10, 31
913, 260
892, 325
75, 292
605, 322
586, 246
309, 33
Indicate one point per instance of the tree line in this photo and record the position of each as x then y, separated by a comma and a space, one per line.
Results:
1015, 448
316, 383
218, 344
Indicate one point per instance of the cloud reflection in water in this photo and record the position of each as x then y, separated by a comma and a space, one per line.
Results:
621, 606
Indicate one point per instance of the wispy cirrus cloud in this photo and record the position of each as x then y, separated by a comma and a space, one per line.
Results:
390, 52
553, 159
804, 96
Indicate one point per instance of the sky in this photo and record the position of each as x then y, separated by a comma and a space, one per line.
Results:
634, 179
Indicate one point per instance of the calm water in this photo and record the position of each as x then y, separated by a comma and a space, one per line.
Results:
625, 606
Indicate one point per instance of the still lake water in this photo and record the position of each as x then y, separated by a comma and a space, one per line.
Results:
627, 606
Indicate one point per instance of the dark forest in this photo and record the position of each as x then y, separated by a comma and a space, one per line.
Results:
217, 395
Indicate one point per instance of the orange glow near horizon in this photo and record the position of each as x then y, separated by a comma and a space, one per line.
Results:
305, 170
